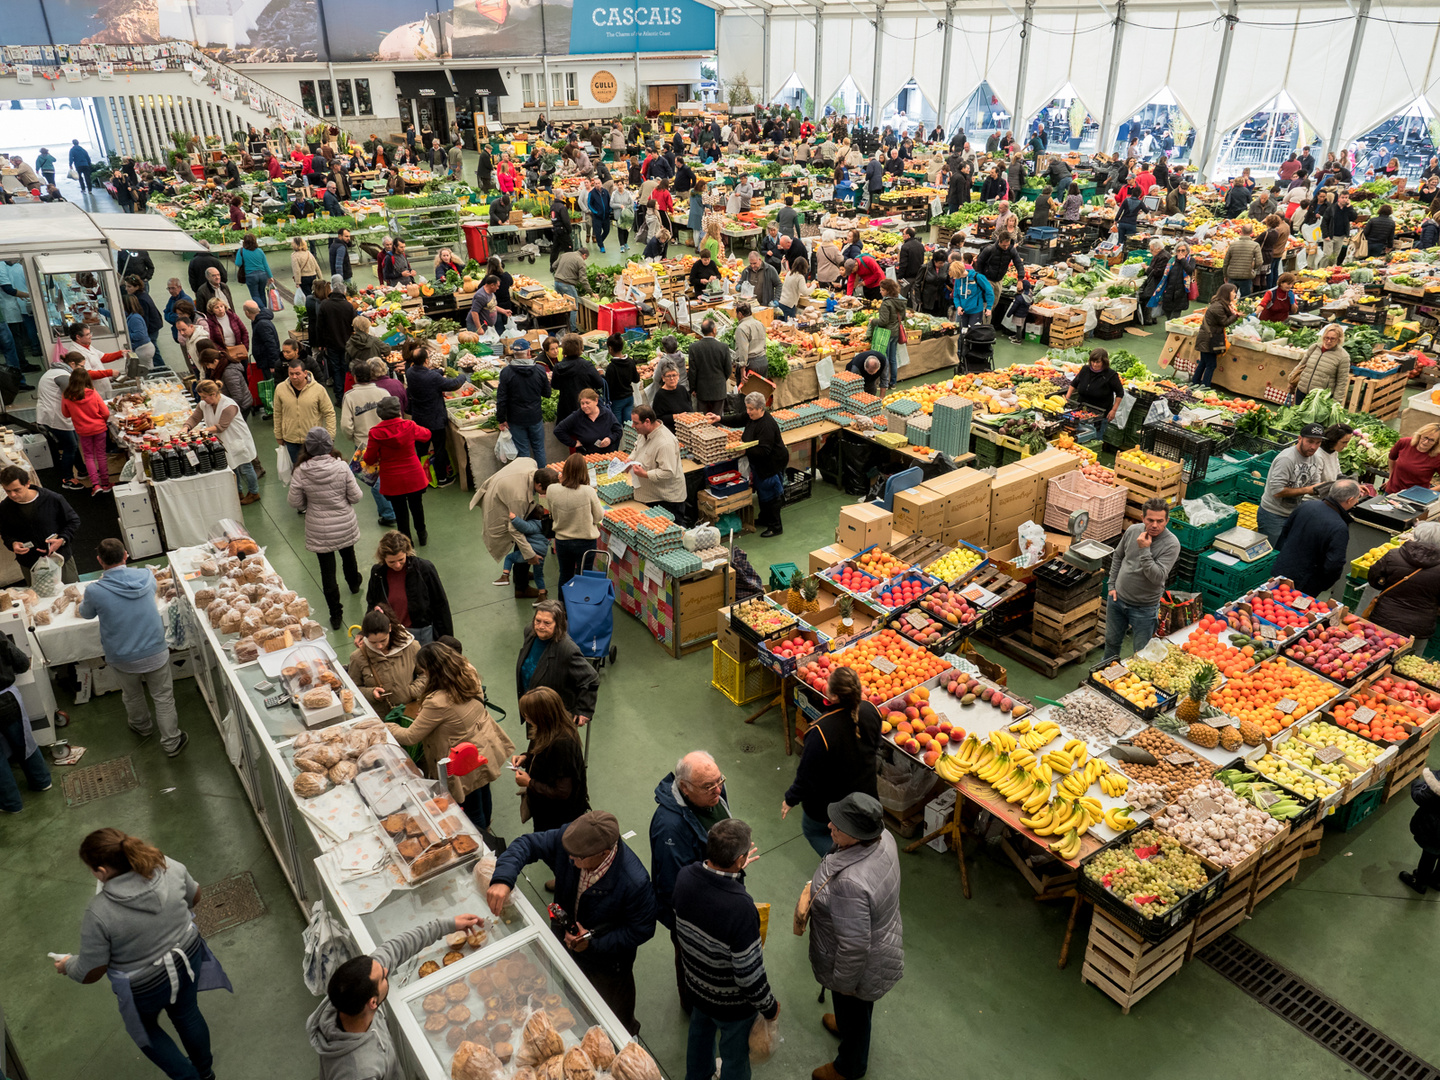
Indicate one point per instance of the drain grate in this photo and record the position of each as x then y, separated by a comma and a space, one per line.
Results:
1334, 1027
91, 782
228, 903
749, 748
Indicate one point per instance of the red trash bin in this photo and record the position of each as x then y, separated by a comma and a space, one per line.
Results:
477, 242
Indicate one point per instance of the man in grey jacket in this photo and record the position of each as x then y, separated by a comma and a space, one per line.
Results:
348, 1030
749, 350
1138, 571
709, 369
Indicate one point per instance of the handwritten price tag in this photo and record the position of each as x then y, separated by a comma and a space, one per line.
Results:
1266, 799
1303, 603
1352, 644
883, 664
1363, 715
1287, 706
1203, 809
1113, 672
1327, 754
915, 619
1120, 725
1268, 633
1179, 758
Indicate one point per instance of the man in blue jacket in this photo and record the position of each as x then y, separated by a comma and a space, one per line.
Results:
340, 256
81, 163
687, 803
604, 907
133, 637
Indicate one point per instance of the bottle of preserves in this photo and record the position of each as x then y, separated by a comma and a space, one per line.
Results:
219, 461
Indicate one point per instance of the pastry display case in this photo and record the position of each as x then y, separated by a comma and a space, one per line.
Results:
424, 829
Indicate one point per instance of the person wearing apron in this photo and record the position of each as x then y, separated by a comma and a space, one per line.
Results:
139, 931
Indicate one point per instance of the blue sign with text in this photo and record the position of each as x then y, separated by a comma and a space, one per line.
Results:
621, 26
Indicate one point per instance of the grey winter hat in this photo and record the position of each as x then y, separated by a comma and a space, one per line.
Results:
858, 815
389, 408
318, 442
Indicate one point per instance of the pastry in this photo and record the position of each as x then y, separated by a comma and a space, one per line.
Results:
429, 967
409, 849
433, 860
540, 1041
500, 1031
504, 1051
378, 737
577, 1065
447, 826
456, 939
457, 991
305, 738
563, 1019
480, 980
464, 844
436, 1023
303, 676
473, 1061
309, 784
451, 957
634, 1062
598, 1047
318, 698
333, 735
342, 773
454, 1037
327, 752
458, 1014
434, 1003
477, 1032
394, 824
307, 763
329, 678
347, 702
208, 569
476, 937
289, 671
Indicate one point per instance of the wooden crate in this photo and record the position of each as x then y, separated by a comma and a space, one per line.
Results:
1064, 625
1408, 766
1125, 966
1229, 910
1274, 871
1066, 338
1380, 398
1041, 655
713, 509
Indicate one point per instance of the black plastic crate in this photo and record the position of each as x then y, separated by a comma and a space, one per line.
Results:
1191, 450
1255, 444
1130, 917
1109, 331
797, 486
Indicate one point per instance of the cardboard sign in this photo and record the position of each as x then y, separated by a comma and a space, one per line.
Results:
1352, 644
1363, 715
1303, 603
617, 547
1266, 799
1120, 725
1329, 754
1287, 706
883, 664
1268, 633
1113, 672
1203, 809
1180, 758
915, 619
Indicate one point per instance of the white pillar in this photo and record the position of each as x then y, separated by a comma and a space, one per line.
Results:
1232, 16
1343, 105
1104, 140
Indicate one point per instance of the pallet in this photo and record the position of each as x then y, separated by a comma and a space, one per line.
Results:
1046, 639
1021, 646
1230, 909
1127, 968
1063, 622
1380, 398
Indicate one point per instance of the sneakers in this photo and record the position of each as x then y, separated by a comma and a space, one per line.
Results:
73, 485
771, 532
100, 491
503, 579
180, 746
445, 481
602, 252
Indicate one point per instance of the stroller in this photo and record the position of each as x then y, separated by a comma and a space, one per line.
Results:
589, 599
976, 349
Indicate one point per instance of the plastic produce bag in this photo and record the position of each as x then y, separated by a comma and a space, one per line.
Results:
764, 1037
283, 465
824, 371
1032, 544
327, 946
1206, 510
900, 786
1155, 650
505, 448
45, 576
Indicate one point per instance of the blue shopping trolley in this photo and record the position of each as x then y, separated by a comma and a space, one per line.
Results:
589, 599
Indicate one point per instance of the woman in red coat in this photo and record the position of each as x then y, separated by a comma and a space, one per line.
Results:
391, 444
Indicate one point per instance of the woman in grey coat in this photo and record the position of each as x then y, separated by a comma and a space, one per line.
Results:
323, 488
855, 928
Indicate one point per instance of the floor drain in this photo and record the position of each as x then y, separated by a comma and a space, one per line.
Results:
91, 782
749, 748
1367, 1051
227, 903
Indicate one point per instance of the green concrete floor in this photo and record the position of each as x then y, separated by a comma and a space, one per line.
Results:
1346, 924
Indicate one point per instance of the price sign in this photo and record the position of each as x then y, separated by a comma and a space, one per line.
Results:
1303, 604
1179, 758
655, 575
1268, 633
190, 456
1204, 808
1363, 715
1287, 706
617, 547
883, 664
915, 619
1120, 725
1328, 754
1352, 644
1113, 672
1266, 799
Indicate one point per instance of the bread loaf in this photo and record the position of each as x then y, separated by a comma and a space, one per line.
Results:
305, 738
204, 598
342, 773
299, 607
318, 698
540, 1041
208, 568
598, 1047
246, 651
474, 1062
432, 860
633, 1062
305, 762
275, 644
309, 784
310, 629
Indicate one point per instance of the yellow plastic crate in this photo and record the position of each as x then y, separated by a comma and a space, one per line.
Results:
741, 682
1247, 513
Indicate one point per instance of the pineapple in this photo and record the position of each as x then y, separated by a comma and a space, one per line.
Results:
810, 591
1230, 737
846, 604
1252, 733
1203, 735
794, 600
1199, 690
1169, 725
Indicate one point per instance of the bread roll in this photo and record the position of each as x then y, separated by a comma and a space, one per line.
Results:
540, 1041
342, 773
633, 1062
306, 763
319, 698
309, 784
246, 651
598, 1047
474, 1062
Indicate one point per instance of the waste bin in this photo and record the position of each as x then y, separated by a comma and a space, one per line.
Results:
477, 242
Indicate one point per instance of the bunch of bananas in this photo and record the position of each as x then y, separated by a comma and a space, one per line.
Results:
1081, 777
1023, 787
1119, 819
949, 769
1113, 783
1067, 760
1033, 737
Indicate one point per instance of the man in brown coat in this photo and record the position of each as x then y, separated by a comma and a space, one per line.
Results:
508, 495
1243, 259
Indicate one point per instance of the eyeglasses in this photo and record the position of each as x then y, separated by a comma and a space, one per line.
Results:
714, 785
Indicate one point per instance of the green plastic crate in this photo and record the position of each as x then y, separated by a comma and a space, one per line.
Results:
1249, 488
1219, 481
1346, 817
782, 574
1229, 582
1199, 537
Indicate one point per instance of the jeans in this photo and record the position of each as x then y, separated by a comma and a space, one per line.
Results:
852, 1018
1270, 524
621, 407
407, 506
257, 286
602, 230
1120, 617
335, 361
569, 290
307, 283
571, 554
293, 449
439, 452
7, 346
1205, 369
162, 691
1274, 276
1245, 285
1123, 234
786, 310
479, 806
383, 506
195, 1063
734, 1036
540, 546
93, 447
817, 833
69, 451
891, 366
37, 773
967, 319
530, 441
245, 479
85, 182
328, 585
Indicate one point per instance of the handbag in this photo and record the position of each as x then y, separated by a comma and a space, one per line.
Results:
369, 475
237, 352
1370, 610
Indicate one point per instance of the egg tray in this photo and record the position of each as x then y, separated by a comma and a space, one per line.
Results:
1163, 702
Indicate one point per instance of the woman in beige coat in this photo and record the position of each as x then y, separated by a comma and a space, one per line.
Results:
453, 712
303, 267
383, 664
1326, 366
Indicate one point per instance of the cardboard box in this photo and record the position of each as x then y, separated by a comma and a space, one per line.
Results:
829, 555
705, 594
1050, 464
919, 510
827, 621
864, 525
976, 531
966, 493
1005, 558
1003, 532
1013, 492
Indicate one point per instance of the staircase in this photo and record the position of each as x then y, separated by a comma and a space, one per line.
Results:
148, 98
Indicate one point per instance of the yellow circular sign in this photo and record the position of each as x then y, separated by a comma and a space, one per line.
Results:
603, 87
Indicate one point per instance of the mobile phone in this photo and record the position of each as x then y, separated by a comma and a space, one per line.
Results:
274, 701
264, 686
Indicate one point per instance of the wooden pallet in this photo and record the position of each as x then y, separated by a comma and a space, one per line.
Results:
1063, 622
1380, 398
1125, 966
1047, 639
1022, 646
1229, 910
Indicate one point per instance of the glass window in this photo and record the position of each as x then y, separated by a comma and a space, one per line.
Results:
362, 97
347, 100
307, 97
557, 90
527, 86
571, 96
327, 98
77, 298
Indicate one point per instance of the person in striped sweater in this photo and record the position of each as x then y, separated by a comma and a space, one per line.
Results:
718, 930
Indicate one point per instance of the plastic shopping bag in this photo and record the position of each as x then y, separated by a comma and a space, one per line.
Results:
273, 295
45, 576
505, 448
763, 1039
283, 464
299, 297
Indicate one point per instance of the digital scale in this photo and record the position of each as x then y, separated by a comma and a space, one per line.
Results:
1247, 545
1086, 554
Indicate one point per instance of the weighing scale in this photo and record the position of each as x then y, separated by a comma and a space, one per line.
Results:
1086, 554
1247, 545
